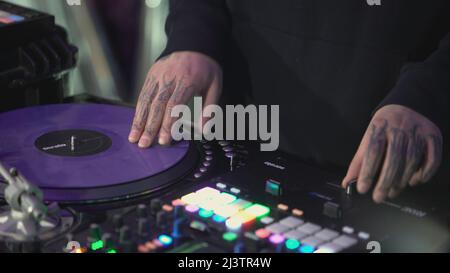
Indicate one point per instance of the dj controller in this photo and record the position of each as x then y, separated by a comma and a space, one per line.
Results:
71, 182
108, 196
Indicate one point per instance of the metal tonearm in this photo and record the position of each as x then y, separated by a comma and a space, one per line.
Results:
28, 217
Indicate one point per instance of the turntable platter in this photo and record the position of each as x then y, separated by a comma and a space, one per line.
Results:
76, 152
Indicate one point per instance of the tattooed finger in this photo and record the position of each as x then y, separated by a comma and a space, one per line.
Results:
181, 95
156, 114
414, 157
433, 157
146, 97
373, 157
394, 164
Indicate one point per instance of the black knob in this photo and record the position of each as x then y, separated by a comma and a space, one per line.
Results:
124, 234
161, 219
178, 212
117, 222
108, 241
95, 232
143, 227
126, 245
351, 188
155, 206
141, 211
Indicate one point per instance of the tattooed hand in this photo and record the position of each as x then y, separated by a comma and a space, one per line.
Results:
172, 81
400, 148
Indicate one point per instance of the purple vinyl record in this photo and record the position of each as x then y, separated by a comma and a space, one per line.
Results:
80, 146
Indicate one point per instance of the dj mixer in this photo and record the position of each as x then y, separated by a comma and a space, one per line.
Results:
71, 182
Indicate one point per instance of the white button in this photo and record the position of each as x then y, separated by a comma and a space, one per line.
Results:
364, 235
345, 241
329, 248
348, 230
291, 222
267, 220
312, 241
221, 186
235, 190
277, 228
295, 235
309, 228
327, 234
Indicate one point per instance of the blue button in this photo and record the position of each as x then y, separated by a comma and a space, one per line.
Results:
306, 249
16, 18
218, 219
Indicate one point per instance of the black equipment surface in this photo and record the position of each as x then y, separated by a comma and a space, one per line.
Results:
35, 56
411, 223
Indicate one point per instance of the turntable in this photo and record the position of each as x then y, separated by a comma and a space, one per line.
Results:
79, 153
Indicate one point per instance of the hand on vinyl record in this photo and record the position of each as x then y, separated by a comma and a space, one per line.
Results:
173, 80
400, 148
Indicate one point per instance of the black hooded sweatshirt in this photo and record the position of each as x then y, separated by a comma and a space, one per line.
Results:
329, 64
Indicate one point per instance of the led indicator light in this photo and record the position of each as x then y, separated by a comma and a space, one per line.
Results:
276, 239
306, 249
292, 244
230, 236
97, 245
205, 213
165, 240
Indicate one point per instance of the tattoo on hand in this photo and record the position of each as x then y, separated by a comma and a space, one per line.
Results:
436, 157
375, 151
396, 158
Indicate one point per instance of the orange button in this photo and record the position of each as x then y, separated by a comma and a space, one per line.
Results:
283, 207
298, 212
262, 233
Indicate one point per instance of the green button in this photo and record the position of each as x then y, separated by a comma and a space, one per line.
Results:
292, 244
205, 213
97, 245
258, 210
230, 236
273, 188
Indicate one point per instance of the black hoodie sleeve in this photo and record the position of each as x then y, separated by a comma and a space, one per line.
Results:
198, 25
425, 87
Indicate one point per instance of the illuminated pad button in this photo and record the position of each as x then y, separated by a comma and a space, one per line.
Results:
306, 249
192, 208
219, 219
258, 211
242, 204
226, 198
226, 211
205, 213
329, 248
244, 217
277, 239
208, 193
209, 205
262, 233
233, 224
191, 199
